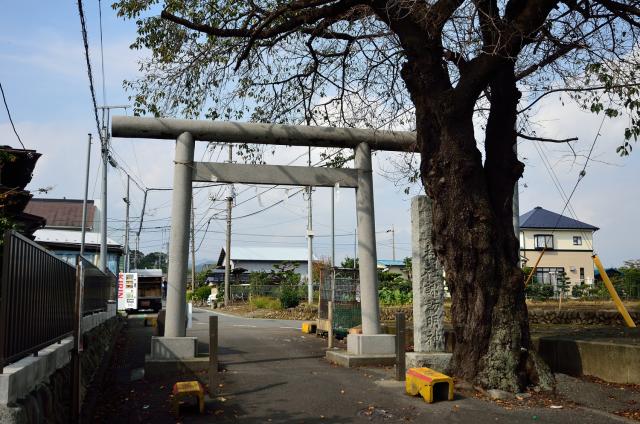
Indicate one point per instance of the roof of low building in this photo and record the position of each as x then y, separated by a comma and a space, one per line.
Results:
61, 213
70, 237
542, 218
148, 272
271, 254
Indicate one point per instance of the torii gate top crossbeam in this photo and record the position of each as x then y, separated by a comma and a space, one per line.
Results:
253, 133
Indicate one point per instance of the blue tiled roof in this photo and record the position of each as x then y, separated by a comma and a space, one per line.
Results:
390, 262
542, 218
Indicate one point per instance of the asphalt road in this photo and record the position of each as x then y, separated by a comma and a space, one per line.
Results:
276, 374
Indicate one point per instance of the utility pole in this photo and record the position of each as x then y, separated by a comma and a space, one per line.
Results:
144, 205
333, 227
355, 246
393, 241
227, 256
104, 142
516, 207
126, 228
310, 242
84, 201
193, 246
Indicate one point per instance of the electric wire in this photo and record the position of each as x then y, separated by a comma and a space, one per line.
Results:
85, 40
104, 90
6, 106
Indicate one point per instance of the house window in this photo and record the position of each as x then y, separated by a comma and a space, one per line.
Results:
548, 275
581, 275
577, 240
543, 240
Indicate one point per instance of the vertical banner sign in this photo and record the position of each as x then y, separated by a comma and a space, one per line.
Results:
121, 291
127, 291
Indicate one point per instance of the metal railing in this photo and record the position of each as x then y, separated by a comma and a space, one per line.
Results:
99, 288
37, 294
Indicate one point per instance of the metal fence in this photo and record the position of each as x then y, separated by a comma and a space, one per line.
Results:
37, 293
243, 292
342, 285
98, 287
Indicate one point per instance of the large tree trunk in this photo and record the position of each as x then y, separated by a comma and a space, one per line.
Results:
473, 228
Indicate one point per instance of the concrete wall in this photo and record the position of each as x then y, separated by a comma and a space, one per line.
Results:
37, 388
613, 362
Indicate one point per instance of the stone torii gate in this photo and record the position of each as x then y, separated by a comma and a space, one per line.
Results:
175, 344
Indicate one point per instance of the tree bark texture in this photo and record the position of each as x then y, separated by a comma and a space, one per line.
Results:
472, 225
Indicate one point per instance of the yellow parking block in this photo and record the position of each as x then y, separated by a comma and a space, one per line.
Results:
183, 389
309, 327
151, 322
423, 380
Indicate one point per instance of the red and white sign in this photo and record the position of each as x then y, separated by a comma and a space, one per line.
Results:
127, 291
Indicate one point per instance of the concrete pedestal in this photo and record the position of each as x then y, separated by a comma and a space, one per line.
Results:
174, 356
164, 348
438, 361
371, 344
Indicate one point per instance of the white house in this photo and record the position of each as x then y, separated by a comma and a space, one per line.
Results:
264, 258
63, 230
567, 244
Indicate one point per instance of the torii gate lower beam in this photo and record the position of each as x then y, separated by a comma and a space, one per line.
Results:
186, 171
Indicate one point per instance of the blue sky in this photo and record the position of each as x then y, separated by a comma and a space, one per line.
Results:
44, 76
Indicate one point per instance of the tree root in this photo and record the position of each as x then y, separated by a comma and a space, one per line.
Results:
538, 372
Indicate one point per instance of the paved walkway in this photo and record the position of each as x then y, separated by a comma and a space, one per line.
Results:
276, 374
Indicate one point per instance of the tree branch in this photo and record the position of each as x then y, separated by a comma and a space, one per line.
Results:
546, 140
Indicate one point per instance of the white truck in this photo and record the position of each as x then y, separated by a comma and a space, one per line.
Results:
140, 289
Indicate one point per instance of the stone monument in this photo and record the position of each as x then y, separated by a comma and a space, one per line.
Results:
428, 292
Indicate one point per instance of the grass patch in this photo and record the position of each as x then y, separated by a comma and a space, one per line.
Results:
265, 302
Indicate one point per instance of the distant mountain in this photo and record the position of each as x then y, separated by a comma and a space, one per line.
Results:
200, 265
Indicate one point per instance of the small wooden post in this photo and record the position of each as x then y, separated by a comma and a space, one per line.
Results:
330, 317
76, 376
400, 346
213, 354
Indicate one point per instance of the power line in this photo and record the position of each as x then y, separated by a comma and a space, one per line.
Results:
6, 106
85, 40
104, 90
583, 172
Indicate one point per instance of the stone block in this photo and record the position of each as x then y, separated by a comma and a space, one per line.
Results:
371, 344
349, 360
438, 361
173, 347
161, 368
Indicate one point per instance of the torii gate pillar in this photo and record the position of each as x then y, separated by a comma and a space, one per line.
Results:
174, 344
179, 238
367, 242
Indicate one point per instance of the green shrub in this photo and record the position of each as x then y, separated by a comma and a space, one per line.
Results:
394, 297
289, 297
189, 295
537, 291
264, 302
202, 293
393, 281
581, 291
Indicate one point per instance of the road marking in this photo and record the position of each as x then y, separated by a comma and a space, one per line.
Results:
218, 313
294, 328
244, 325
